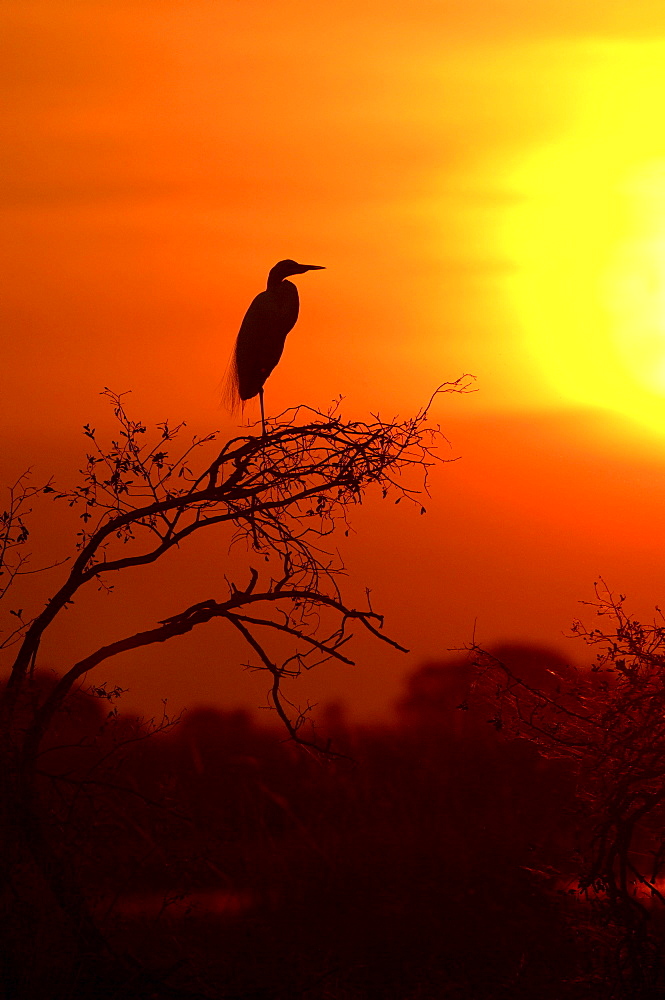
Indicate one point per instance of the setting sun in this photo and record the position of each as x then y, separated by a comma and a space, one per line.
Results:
587, 237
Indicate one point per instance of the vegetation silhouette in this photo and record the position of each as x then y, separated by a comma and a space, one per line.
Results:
402, 868
260, 342
281, 497
607, 725
504, 838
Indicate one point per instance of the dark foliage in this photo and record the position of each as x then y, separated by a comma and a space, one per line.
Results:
608, 725
419, 864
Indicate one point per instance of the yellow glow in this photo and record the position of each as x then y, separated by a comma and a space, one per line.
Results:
588, 239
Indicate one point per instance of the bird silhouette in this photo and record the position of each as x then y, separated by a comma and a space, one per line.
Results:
262, 334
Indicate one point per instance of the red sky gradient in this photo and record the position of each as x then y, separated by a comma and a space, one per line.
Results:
484, 182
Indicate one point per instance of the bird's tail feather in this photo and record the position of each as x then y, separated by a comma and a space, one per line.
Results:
230, 393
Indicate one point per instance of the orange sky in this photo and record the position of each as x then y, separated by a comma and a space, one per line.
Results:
484, 182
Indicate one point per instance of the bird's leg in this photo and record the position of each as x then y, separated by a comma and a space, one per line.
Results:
263, 416
263, 437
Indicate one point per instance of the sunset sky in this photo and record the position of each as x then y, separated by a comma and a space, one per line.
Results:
484, 181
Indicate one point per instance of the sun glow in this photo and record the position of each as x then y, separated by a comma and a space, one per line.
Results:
587, 236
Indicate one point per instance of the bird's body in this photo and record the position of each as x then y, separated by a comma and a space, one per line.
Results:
260, 342
270, 317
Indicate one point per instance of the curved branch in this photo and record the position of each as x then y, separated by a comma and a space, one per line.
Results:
283, 493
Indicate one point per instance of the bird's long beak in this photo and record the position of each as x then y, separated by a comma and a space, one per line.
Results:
314, 267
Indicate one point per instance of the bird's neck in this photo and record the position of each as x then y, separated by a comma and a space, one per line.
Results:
279, 284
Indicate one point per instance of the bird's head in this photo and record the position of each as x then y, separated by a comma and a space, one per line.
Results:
286, 267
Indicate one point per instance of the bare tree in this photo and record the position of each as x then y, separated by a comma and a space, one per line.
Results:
283, 497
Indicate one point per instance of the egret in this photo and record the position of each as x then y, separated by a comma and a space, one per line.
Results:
262, 334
